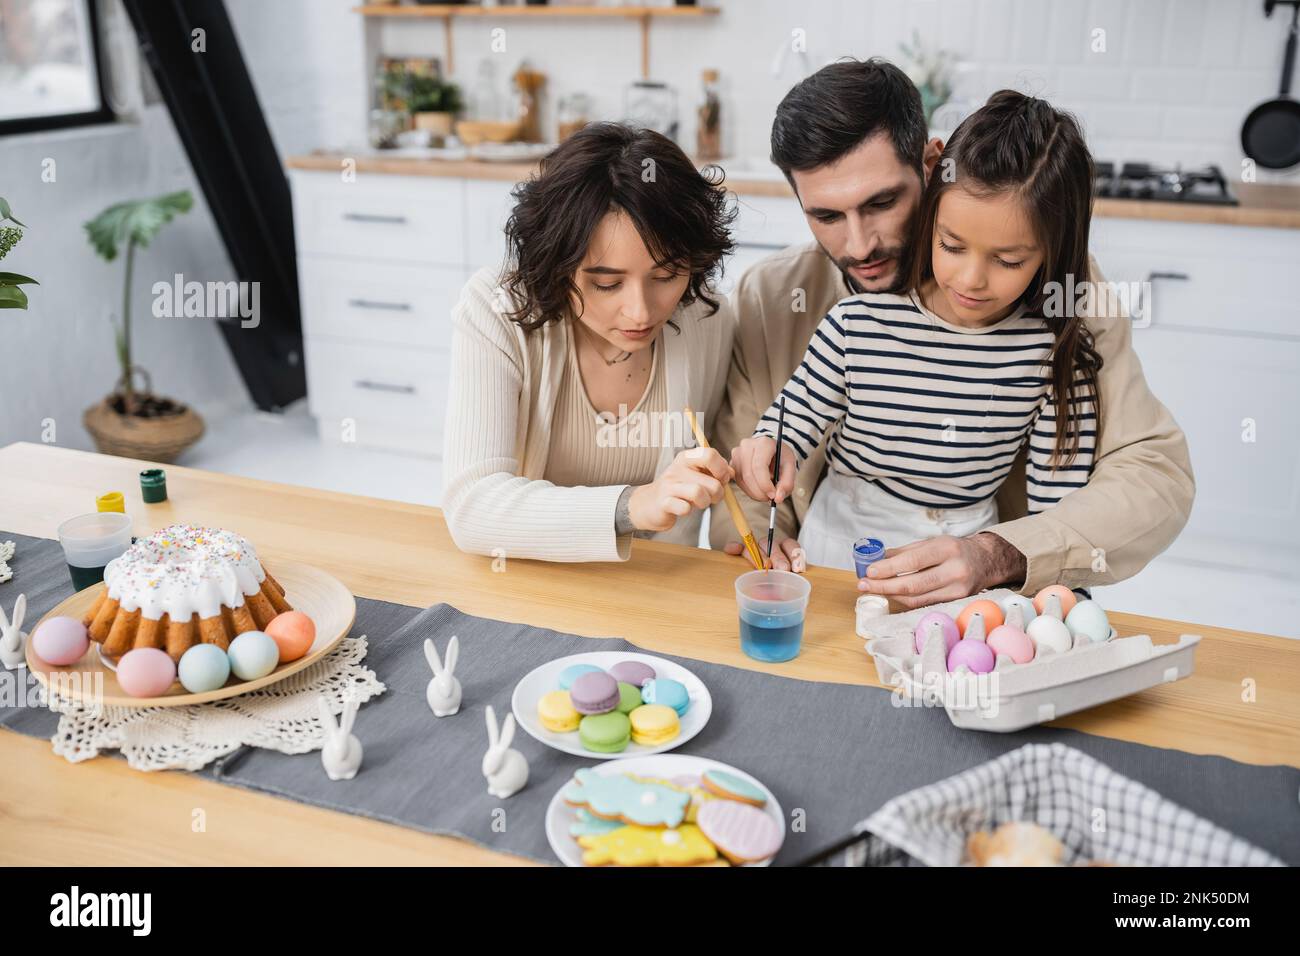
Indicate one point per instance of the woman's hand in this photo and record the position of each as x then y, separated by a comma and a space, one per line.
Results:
752, 462
787, 557
694, 480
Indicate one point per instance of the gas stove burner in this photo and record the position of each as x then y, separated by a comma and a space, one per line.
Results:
1203, 184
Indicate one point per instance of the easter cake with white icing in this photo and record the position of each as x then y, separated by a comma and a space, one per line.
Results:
182, 586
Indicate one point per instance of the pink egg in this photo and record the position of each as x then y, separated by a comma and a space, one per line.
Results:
947, 625
60, 641
146, 672
974, 655
293, 632
1013, 642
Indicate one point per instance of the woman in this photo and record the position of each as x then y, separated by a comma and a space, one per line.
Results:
571, 364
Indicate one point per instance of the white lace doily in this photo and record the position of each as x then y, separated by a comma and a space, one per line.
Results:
283, 716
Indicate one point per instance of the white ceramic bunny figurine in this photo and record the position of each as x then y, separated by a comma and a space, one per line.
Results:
341, 755
13, 640
506, 770
444, 690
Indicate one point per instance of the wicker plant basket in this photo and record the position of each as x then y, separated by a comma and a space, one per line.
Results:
152, 439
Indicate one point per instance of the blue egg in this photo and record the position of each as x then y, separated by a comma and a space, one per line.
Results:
663, 690
573, 672
202, 668
253, 654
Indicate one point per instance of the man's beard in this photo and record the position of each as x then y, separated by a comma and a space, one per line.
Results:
901, 254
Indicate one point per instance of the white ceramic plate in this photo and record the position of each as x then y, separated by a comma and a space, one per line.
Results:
559, 815
546, 678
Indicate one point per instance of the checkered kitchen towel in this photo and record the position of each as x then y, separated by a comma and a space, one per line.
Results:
1097, 814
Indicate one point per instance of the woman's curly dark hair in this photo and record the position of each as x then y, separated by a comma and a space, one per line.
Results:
681, 214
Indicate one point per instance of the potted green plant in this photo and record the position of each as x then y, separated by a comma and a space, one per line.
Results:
132, 422
431, 101
11, 296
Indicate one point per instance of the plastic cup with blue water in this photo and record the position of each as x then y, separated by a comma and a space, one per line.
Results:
866, 552
772, 606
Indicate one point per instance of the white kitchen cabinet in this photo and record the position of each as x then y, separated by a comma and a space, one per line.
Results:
487, 207
380, 302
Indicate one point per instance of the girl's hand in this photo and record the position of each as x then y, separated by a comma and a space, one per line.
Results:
752, 462
787, 557
694, 480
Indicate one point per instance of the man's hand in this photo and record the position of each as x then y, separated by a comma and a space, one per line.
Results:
783, 560
943, 569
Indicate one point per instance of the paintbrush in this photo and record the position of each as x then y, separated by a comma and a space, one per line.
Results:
776, 476
733, 506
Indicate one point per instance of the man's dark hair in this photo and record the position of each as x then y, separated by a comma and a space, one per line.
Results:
830, 113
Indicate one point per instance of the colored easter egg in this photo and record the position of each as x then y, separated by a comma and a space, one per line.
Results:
146, 672
1012, 642
947, 626
1068, 598
60, 641
203, 667
253, 654
1027, 610
293, 633
1048, 633
975, 656
1087, 620
992, 615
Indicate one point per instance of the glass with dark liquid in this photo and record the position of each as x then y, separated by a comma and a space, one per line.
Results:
90, 541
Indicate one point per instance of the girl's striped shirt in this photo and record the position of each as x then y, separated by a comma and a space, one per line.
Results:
933, 413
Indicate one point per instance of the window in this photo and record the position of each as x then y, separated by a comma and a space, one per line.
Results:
49, 65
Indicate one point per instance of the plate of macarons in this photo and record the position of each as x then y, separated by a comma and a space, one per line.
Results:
664, 810
612, 704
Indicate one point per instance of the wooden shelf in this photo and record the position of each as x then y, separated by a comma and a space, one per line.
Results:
447, 12
475, 10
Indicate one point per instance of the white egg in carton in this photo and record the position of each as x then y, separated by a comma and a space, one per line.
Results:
1012, 696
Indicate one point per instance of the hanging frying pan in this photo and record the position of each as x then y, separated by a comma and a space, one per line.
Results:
1271, 134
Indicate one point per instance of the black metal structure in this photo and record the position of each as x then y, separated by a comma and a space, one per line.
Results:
219, 120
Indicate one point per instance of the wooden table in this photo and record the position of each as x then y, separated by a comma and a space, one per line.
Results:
667, 598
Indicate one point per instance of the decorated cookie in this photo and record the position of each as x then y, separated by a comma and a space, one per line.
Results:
742, 833
691, 784
635, 673
619, 796
664, 690
594, 693
629, 697
556, 712
654, 724
731, 787
605, 733
584, 824
573, 672
644, 846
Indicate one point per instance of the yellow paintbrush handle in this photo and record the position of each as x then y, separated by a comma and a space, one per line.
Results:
733, 506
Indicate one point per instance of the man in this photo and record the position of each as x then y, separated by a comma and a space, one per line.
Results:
851, 141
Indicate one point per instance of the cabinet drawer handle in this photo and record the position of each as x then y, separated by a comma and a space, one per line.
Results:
384, 387
373, 217
388, 306
1145, 311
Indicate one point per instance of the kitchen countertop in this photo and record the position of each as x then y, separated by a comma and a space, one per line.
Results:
1269, 205
95, 812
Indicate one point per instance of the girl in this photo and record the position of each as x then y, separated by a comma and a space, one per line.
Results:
571, 364
932, 394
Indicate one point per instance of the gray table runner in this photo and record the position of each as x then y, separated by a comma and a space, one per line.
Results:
832, 752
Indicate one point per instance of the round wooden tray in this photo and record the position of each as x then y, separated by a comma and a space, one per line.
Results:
319, 595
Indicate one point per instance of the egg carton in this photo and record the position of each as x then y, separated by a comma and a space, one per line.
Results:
1015, 696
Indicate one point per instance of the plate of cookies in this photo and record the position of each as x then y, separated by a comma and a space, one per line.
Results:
664, 810
612, 704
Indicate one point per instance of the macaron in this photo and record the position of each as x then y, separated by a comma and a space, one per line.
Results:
594, 693
654, 724
629, 697
605, 733
664, 690
556, 712
635, 673
573, 672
